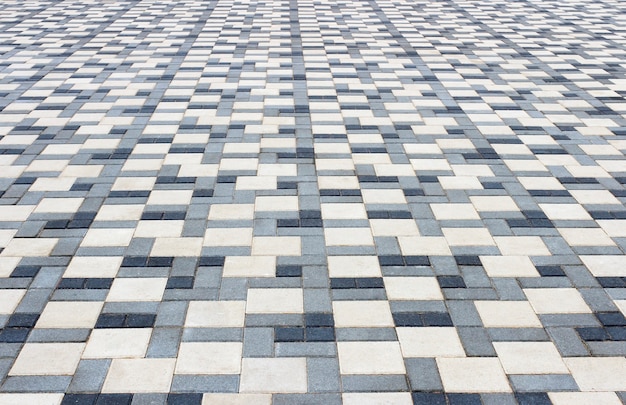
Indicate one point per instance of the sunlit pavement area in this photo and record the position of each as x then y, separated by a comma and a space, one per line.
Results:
292, 202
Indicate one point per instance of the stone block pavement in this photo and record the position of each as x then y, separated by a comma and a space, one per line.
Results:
312, 202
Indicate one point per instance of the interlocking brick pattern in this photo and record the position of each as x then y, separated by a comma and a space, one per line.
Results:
306, 201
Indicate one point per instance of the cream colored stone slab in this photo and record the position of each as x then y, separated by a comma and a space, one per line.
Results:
521, 245
594, 197
275, 301
249, 266
586, 237
278, 169
509, 266
343, 211
338, 182
362, 314
239, 164
120, 212
276, 203
69, 314
236, 399
117, 343
615, 228
228, 237
472, 374
494, 203
93, 267
424, 245
334, 164
598, 373
159, 229
565, 211
605, 265
460, 183
540, 183
386, 196
219, 212
273, 375
256, 183
430, 342
9, 300
353, 266
621, 304
468, 237
348, 237
137, 289
454, 211
53, 184
276, 246
209, 358
216, 314
507, 314
102, 237
47, 359
177, 247
370, 358
27, 247
31, 399
377, 398
139, 375
7, 265
58, 205
9, 213
412, 288
584, 398
394, 227
530, 358
133, 183
556, 301
170, 197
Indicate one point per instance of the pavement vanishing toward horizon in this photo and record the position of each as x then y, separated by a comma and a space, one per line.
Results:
356, 202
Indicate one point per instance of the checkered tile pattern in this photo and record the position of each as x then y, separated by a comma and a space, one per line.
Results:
307, 201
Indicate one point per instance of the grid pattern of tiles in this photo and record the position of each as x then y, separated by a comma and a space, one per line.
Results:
303, 201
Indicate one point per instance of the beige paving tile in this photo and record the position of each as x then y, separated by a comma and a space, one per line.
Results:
209, 358
338, 182
565, 211
594, 197
31, 399
170, 197
256, 183
29, 247
521, 246
394, 227
276, 203
598, 373
213, 314
107, 237
472, 374
249, 266
47, 359
586, 237
460, 183
93, 266
556, 300
276, 246
139, 375
494, 203
584, 398
275, 301
381, 358
362, 314
615, 228
117, 343
353, 266
120, 212
7, 265
237, 399
605, 265
177, 247
228, 237
507, 314
509, 266
386, 196
231, 212
530, 358
15, 212
348, 237
273, 375
430, 342
424, 245
343, 211
9, 300
70, 314
412, 288
58, 205
137, 289
468, 237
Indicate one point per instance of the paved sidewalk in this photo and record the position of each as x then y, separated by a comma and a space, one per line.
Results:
357, 202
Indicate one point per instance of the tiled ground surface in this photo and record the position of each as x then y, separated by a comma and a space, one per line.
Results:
298, 201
